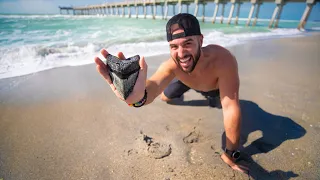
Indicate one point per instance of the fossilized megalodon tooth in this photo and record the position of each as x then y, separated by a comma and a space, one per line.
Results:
123, 73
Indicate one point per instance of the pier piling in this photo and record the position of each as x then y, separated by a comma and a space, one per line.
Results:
306, 14
129, 10
122, 7
180, 6
154, 9
144, 9
257, 14
276, 12
237, 14
137, 10
216, 9
222, 13
253, 3
166, 9
203, 11
279, 15
231, 11
196, 2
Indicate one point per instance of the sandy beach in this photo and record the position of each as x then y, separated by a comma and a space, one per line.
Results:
66, 123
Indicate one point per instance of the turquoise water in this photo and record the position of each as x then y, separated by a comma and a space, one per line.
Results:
32, 43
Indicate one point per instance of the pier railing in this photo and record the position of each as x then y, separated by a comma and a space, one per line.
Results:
114, 9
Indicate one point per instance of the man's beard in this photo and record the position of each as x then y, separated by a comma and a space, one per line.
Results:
195, 60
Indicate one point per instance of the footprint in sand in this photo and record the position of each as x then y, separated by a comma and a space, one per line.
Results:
158, 149
130, 152
195, 152
192, 137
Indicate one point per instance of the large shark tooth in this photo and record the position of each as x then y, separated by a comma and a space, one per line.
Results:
123, 73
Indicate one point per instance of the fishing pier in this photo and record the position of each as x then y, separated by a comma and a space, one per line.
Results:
127, 6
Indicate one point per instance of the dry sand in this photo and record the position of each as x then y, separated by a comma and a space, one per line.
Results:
65, 123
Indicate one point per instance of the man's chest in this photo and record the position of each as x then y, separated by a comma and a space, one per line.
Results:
205, 81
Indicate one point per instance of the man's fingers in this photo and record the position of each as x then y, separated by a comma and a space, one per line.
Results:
121, 56
234, 166
107, 78
143, 71
104, 53
118, 95
102, 69
98, 61
140, 85
143, 65
241, 169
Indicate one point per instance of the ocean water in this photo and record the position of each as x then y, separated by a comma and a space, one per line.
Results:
33, 43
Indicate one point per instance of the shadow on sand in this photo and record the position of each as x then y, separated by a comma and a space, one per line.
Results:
275, 130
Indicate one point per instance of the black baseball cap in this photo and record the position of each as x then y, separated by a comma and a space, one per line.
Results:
187, 22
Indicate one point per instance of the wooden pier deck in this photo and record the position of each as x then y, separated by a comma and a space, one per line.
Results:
113, 9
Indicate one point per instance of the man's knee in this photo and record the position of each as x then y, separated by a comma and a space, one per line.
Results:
164, 97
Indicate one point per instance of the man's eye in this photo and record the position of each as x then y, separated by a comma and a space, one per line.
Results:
173, 47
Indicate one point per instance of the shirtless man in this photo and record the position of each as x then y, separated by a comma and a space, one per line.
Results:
211, 70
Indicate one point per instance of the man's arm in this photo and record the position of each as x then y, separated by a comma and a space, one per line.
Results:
154, 86
159, 81
229, 93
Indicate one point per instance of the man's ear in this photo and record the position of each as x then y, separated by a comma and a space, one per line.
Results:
201, 40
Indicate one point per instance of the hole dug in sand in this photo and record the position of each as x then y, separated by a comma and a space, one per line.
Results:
192, 137
157, 150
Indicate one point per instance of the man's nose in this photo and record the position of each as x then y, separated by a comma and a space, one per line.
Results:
181, 52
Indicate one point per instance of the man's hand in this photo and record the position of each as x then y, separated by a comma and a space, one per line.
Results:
228, 160
140, 86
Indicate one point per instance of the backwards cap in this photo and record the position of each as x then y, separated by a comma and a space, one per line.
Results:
187, 22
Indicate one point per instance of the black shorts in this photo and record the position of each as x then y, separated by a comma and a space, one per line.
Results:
176, 89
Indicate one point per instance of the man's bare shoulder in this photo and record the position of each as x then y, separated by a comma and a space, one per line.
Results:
223, 57
213, 49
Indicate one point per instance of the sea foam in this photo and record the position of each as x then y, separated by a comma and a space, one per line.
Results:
45, 42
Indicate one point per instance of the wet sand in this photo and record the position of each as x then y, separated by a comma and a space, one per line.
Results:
65, 123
